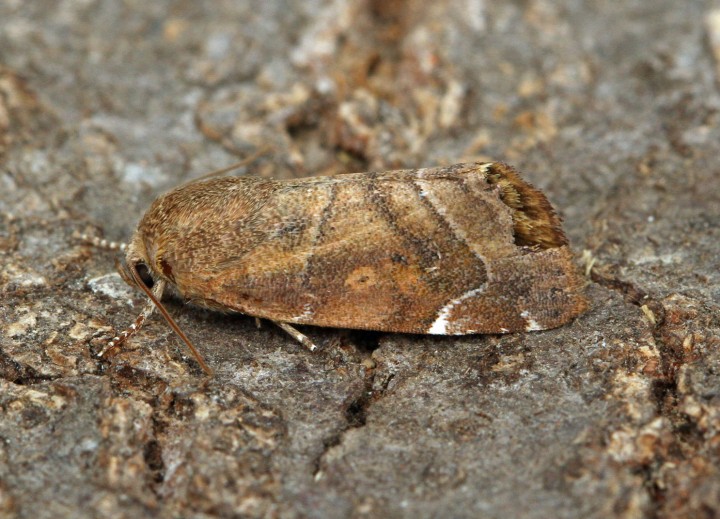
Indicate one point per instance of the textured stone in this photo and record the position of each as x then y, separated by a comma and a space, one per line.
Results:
611, 108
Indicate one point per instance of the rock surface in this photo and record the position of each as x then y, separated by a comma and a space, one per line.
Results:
611, 107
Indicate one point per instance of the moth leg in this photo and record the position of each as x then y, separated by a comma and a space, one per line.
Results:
295, 334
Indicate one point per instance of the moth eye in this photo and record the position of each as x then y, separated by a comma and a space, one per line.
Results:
144, 272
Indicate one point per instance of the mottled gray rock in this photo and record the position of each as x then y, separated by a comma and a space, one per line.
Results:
611, 107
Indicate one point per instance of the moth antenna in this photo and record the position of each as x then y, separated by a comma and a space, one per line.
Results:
155, 300
102, 243
244, 162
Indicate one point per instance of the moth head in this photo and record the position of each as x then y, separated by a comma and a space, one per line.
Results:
144, 257
138, 271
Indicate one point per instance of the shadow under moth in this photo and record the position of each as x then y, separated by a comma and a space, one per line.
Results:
464, 249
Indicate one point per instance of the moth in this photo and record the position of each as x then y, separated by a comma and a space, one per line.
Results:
464, 249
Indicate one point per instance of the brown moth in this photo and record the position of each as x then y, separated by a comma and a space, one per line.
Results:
464, 249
